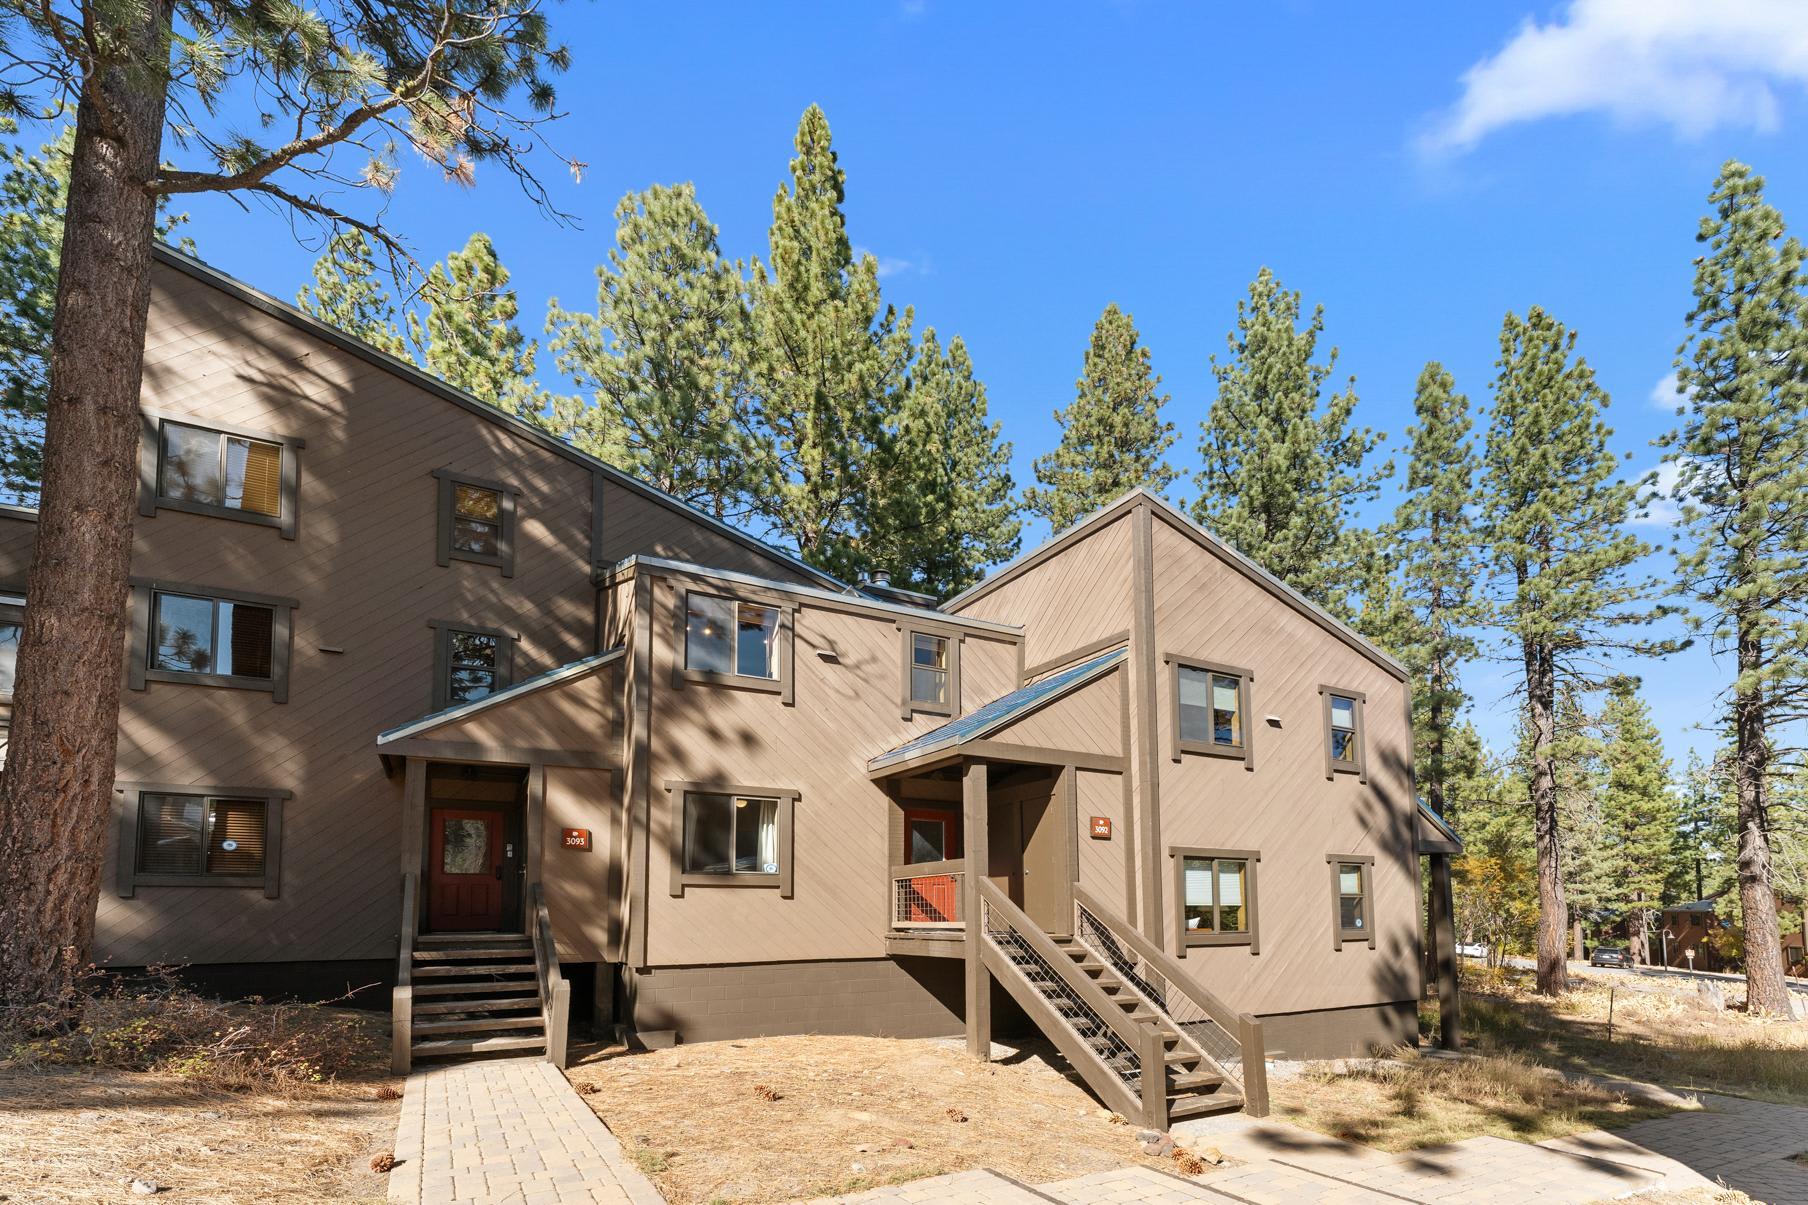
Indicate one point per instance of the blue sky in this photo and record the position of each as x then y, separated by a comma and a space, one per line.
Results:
1418, 170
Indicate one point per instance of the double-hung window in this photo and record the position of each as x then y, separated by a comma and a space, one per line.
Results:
1343, 732
227, 472
731, 836
1210, 710
175, 836
1352, 878
476, 521
1217, 896
469, 662
210, 637
931, 673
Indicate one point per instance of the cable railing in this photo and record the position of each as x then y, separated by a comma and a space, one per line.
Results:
1231, 1040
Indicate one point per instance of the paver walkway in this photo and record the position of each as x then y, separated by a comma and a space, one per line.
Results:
1746, 1143
507, 1131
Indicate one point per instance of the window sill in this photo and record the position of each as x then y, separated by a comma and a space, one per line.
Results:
1193, 938
710, 677
239, 882
228, 681
1228, 752
1355, 937
490, 559
697, 878
209, 509
914, 709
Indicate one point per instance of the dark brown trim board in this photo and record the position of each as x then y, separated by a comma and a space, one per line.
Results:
139, 672
677, 792
506, 495
1243, 751
1359, 767
1339, 934
1184, 938
443, 629
1072, 657
152, 499
1147, 759
127, 805
639, 785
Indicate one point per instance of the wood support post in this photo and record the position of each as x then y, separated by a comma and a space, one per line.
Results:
1443, 940
975, 819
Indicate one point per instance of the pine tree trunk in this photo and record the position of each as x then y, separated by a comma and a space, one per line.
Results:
56, 790
1641, 934
1553, 909
1765, 989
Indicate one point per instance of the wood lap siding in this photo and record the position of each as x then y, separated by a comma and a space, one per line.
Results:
365, 574
1286, 808
635, 524
1080, 595
1102, 860
580, 716
586, 911
1084, 721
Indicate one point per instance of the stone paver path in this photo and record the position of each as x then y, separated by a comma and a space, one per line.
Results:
1746, 1143
507, 1132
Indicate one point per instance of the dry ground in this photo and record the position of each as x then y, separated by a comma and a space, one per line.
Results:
214, 1102
74, 1134
697, 1121
1662, 1032
1415, 1102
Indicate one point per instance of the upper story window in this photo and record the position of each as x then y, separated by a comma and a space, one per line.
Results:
476, 521
731, 836
1344, 732
199, 836
1352, 878
1217, 896
931, 672
469, 662
1210, 710
12, 626
741, 642
226, 472
210, 637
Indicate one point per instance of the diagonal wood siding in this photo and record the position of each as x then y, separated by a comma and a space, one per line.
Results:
1080, 595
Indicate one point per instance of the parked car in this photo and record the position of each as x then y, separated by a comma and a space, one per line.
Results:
1472, 949
1610, 956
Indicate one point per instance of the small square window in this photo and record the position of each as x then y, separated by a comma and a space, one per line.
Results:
929, 669
1343, 733
1210, 704
730, 834
476, 521
213, 636
213, 468
1216, 893
470, 663
196, 836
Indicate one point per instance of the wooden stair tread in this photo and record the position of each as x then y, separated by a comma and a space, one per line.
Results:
471, 989
471, 939
454, 953
475, 1045
1193, 1081
486, 968
487, 1004
477, 1024
1199, 1106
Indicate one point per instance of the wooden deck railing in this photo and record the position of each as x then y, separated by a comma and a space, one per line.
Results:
401, 1000
1159, 976
927, 895
555, 990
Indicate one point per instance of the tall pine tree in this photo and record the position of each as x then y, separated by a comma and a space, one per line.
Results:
1435, 534
1112, 434
829, 360
1283, 470
1552, 515
943, 508
1742, 486
468, 338
1637, 810
665, 358
347, 294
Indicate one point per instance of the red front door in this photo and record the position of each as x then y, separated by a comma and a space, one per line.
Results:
465, 871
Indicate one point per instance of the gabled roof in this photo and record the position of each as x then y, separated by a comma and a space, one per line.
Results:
983, 721
1186, 524
1440, 825
568, 672
857, 599
284, 312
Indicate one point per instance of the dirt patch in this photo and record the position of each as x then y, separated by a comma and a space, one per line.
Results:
778, 1119
1414, 1102
70, 1134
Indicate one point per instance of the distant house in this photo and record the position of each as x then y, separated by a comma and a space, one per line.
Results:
419, 694
1695, 926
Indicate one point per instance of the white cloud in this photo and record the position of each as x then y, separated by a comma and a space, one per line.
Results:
1693, 65
1663, 511
892, 265
1664, 394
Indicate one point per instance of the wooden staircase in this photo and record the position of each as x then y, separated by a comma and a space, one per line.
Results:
461, 994
1109, 1002
475, 994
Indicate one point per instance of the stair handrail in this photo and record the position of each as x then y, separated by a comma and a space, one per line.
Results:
401, 999
555, 989
1246, 1026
